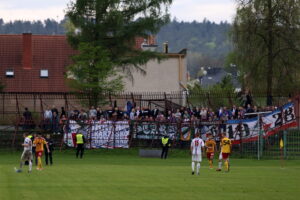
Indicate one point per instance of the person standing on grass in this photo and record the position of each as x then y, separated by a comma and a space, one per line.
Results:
48, 155
80, 140
165, 141
39, 141
33, 148
210, 145
197, 147
27, 153
225, 152
30, 136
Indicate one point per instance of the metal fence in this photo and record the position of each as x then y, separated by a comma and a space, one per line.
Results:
13, 104
141, 134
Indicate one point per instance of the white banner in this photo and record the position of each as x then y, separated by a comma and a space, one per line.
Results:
110, 134
98, 134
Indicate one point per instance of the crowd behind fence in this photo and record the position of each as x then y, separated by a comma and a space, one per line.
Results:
14, 103
140, 111
53, 119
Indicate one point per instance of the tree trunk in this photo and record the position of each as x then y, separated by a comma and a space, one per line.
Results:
270, 53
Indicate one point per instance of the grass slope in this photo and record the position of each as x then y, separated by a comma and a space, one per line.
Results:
120, 174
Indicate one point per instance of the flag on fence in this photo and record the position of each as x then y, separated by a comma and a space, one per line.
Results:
281, 144
185, 133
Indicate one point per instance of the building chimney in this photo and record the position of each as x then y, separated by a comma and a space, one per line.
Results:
151, 40
27, 51
166, 47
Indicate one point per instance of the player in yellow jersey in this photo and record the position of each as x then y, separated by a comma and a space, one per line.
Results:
225, 152
210, 145
39, 142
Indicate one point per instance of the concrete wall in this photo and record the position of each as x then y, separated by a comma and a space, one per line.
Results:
165, 76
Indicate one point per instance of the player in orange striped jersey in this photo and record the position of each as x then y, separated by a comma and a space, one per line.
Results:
210, 146
39, 142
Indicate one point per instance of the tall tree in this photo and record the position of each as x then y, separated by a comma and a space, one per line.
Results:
266, 36
114, 25
93, 73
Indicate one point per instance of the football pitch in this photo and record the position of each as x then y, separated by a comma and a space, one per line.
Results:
121, 174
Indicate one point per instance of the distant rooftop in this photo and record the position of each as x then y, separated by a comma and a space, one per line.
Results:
215, 75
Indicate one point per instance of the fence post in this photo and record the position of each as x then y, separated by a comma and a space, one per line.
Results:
259, 140
284, 144
3, 105
17, 106
66, 103
91, 132
132, 98
166, 103
109, 97
114, 128
34, 103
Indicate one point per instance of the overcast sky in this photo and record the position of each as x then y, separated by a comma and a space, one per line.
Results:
186, 10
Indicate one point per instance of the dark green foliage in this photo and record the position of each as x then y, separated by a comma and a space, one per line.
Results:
207, 42
220, 94
266, 37
93, 73
104, 32
115, 24
46, 27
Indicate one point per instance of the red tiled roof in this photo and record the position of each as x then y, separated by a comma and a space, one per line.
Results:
27, 54
47, 52
140, 40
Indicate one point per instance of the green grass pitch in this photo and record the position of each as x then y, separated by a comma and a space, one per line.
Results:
121, 174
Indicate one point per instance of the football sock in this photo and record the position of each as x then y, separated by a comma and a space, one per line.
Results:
210, 163
227, 165
21, 164
193, 166
39, 162
198, 168
220, 164
30, 165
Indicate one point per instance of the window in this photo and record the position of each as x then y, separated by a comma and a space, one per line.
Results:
44, 73
10, 73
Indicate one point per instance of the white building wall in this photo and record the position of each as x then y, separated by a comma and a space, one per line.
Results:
169, 75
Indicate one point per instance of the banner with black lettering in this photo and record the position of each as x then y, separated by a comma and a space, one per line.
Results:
247, 130
110, 134
98, 134
155, 130
280, 119
271, 123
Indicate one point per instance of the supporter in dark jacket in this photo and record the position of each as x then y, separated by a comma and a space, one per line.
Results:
48, 155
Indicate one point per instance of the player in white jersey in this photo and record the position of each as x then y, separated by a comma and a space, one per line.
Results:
197, 146
27, 153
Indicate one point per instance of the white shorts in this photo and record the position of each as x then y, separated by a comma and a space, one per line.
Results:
26, 155
196, 157
220, 156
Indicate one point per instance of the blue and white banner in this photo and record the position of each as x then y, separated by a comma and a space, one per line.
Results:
109, 134
248, 129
